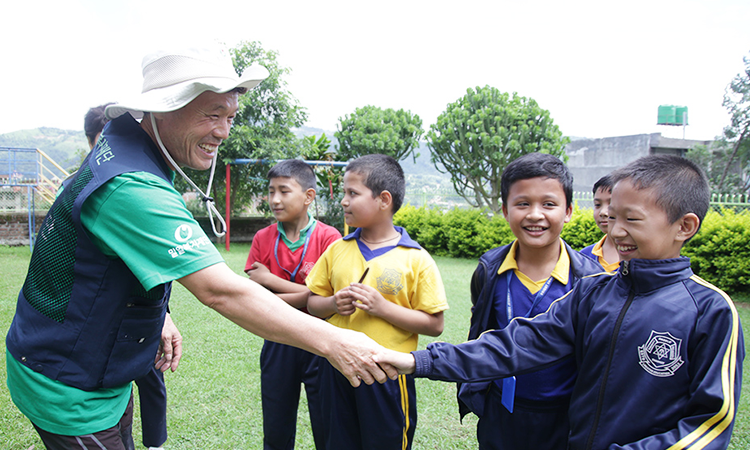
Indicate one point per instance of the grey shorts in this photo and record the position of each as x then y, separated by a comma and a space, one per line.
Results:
119, 437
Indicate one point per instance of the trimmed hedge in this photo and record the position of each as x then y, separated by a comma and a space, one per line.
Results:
720, 253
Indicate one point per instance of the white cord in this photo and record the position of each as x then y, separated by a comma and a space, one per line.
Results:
205, 198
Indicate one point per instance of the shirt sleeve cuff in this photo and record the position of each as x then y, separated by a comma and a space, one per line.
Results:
423, 363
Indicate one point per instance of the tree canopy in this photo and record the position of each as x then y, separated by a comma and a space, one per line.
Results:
262, 130
374, 130
479, 134
737, 133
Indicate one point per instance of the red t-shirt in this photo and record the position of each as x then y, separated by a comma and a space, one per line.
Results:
262, 251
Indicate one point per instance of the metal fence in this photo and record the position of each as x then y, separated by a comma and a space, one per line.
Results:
21, 199
16, 198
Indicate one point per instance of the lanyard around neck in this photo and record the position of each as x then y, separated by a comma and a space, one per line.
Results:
537, 298
301, 260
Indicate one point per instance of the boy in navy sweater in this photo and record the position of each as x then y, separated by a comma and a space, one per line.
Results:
659, 351
521, 280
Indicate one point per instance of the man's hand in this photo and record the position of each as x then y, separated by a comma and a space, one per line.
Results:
355, 355
403, 362
170, 348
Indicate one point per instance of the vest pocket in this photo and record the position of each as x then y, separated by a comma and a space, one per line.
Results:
135, 347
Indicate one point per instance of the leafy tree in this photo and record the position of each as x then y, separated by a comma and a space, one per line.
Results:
737, 102
374, 130
481, 133
330, 179
262, 130
714, 161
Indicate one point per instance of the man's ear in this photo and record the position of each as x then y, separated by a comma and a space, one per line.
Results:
309, 196
689, 224
386, 199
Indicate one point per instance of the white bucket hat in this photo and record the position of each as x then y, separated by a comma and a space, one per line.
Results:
172, 79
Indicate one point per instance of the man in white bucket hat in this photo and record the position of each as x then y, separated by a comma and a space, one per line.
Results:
91, 315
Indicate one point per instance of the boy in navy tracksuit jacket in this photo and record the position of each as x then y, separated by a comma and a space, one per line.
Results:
521, 280
659, 351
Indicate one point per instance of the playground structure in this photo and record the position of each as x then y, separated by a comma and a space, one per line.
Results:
28, 176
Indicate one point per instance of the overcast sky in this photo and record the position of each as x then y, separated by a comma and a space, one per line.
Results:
600, 69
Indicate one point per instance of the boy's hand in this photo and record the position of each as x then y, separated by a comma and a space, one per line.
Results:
343, 302
368, 299
403, 362
258, 273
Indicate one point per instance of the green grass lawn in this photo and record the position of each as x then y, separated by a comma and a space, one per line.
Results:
214, 397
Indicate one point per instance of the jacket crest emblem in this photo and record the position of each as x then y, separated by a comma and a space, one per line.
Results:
390, 282
660, 355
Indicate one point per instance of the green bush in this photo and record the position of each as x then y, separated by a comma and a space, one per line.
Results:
468, 233
582, 230
424, 226
492, 233
720, 252
461, 228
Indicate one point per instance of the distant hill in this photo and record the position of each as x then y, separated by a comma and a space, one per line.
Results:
60, 145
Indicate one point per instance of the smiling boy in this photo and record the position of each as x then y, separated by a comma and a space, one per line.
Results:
659, 350
604, 251
521, 280
379, 281
280, 258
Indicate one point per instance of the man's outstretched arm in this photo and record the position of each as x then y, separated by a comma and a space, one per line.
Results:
257, 310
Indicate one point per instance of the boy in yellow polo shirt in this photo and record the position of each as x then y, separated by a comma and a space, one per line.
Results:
379, 281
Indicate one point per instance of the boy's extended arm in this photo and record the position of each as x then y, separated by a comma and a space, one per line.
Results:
716, 382
525, 345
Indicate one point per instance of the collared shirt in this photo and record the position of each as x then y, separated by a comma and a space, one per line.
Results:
598, 251
561, 272
302, 233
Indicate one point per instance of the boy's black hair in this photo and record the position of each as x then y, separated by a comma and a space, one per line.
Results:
296, 169
532, 165
603, 183
679, 185
94, 121
381, 173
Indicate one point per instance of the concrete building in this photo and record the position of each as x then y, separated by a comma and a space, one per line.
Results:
591, 159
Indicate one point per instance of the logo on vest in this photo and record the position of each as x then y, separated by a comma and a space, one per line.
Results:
103, 152
183, 233
389, 282
660, 355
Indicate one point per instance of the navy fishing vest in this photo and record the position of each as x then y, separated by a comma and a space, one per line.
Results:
83, 318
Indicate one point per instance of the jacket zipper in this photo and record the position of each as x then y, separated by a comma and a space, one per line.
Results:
600, 401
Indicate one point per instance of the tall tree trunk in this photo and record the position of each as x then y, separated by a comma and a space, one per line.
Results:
731, 158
